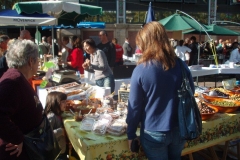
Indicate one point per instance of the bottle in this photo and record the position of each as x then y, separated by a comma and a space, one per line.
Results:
78, 76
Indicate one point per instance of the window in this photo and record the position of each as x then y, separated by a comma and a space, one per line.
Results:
234, 2
168, 0
190, 1
87, 0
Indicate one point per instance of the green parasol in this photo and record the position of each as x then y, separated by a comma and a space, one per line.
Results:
177, 22
68, 13
214, 29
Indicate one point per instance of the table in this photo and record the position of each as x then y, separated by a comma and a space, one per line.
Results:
229, 70
222, 127
90, 146
204, 71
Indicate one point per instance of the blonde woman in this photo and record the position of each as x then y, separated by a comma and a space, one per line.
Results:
153, 99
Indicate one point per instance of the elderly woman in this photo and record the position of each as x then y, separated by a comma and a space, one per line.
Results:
153, 99
20, 109
98, 65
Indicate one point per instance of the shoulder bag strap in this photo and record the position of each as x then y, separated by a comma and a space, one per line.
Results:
182, 69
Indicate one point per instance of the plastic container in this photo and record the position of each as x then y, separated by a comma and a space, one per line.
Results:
117, 127
87, 124
100, 126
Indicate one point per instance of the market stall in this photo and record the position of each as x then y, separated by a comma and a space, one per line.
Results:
221, 128
90, 144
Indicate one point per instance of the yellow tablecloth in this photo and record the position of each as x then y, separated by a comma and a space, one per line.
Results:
89, 146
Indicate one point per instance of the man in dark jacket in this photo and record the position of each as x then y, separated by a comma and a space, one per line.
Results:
3, 47
194, 53
108, 48
127, 49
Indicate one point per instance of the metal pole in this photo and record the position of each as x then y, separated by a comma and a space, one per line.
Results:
117, 9
196, 22
52, 42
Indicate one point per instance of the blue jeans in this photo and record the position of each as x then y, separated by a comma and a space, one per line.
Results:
159, 145
106, 82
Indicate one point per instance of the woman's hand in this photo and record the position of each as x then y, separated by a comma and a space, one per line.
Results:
16, 149
129, 144
135, 148
87, 61
84, 65
1, 142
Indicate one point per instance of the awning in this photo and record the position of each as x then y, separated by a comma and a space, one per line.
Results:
11, 17
91, 25
68, 13
57, 27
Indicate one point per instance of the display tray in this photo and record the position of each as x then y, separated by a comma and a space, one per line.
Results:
65, 72
65, 86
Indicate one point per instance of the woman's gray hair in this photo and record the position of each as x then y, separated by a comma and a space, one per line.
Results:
20, 51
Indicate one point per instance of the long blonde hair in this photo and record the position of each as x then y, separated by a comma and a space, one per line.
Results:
154, 43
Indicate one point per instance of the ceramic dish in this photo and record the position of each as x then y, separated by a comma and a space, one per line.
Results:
223, 109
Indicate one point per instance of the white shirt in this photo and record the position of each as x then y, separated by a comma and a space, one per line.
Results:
235, 56
181, 50
65, 52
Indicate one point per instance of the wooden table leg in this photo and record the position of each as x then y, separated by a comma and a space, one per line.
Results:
190, 156
238, 150
213, 153
225, 150
204, 154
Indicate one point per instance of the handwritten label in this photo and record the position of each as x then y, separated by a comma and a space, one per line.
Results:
123, 96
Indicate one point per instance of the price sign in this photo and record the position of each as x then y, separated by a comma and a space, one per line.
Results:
123, 96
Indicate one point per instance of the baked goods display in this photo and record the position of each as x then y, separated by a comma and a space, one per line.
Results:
70, 89
100, 126
117, 127
87, 124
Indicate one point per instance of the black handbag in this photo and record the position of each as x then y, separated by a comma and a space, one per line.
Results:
41, 143
189, 117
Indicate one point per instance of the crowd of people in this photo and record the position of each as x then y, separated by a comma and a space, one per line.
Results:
188, 50
74, 56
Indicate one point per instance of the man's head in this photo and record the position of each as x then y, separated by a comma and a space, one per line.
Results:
181, 42
49, 40
44, 39
126, 39
193, 39
103, 36
114, 41
235, 45
220, 41
25, 34
65, 40
3, 42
